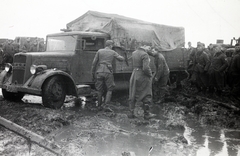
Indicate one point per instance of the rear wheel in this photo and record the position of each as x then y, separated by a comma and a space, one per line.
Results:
12, 96
53, 93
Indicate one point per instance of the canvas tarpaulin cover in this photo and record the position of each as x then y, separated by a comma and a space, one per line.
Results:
128, 32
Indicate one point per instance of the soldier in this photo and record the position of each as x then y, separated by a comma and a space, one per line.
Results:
140, 89
217, 71
102, 67
235, 72
41, 45
8, 52
161, 76
210, 51
201, 65
27, 46
16, 47
191, 56
34, 47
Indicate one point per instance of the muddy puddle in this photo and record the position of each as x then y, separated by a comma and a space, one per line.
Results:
212, 141
99, 135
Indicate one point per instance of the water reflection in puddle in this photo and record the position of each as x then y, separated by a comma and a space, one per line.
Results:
108, 142
215, 142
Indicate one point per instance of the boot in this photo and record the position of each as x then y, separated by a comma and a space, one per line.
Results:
148, 115
99, 99
131, 114
108, 97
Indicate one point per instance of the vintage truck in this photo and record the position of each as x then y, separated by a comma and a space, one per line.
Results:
65, 67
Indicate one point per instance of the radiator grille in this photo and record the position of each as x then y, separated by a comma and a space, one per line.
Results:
19, 66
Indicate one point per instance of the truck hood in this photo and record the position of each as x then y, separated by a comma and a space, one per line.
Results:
59, 60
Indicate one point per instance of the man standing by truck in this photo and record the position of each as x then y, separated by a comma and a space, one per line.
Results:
201, 65
140, 89
191, 56
161, 76
217, 71
102, 68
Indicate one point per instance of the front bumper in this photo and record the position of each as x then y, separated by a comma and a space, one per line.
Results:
24, 89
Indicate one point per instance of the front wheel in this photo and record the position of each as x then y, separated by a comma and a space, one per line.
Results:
53, 93
12, 96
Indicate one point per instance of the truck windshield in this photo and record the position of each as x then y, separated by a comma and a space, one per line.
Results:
61, 43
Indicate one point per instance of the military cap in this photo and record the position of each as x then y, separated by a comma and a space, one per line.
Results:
199, 44
109, 42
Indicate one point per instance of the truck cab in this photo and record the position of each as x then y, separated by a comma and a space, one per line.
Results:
56, 72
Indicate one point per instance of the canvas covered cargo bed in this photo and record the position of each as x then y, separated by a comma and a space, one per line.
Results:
128, 32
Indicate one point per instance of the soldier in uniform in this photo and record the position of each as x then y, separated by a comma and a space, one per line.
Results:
102, 67
140, 89
201, 65
210, 51
235, 72
217, 71
161, 76
41, 45
191, 56
8, 52
16, 47
26, 46
34, 47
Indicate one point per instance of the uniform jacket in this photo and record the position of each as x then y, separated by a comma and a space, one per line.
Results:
141, 60
192, 52
219, 62
34, 48
26, 47
201, 62
103, 59
161, 66
8, 49
235, 66
210, 53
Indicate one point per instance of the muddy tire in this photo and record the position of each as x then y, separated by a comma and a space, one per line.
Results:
53, 93
12, 96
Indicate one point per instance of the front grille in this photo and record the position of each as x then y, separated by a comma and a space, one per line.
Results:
19, 66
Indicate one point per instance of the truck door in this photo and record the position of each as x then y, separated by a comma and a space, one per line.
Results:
90, 45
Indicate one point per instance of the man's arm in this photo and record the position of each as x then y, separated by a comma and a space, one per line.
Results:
225, 63
146, 68
208, 63
159, 68
118, 57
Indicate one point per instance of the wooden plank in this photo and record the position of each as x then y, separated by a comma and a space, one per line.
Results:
30, 136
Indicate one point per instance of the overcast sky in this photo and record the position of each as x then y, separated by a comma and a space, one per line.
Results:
203, 20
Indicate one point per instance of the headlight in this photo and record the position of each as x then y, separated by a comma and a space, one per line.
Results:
34, 69
8, 67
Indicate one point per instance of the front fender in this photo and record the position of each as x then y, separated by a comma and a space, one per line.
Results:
4, 77
36, 81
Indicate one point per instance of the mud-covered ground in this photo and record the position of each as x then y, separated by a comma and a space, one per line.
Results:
187, 123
